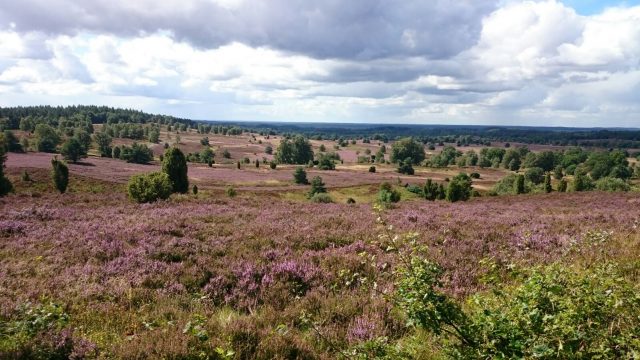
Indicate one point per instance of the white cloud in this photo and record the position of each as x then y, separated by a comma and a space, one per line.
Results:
530, 61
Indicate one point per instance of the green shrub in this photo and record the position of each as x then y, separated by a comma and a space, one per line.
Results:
372, 169
73, 150
612, 184
150, 187
300, 176
231, 192
562, 185
60, 175
174, 165
195, 189
351, 201
405, 167
388, 194
581, 182
272, 165
430, 190
317, 186
518, 186
323, 198
5, 185
555, 312
137, 154
415, 189
534, 175
459, 188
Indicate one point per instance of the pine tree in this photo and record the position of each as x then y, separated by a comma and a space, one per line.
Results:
60, 175
174, 164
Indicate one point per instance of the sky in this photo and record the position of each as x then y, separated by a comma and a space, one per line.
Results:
499, 62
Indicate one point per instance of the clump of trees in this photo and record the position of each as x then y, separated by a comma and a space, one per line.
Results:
459, 188
295, 151
407, 149
136, 153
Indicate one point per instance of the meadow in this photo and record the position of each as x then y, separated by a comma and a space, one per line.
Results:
264, 273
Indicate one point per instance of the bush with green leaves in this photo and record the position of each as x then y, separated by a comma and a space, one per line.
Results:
231, 192
325, 162
372, 169
562, 185
47, 138
581, 182
317, 186
387, 194
405, 167
174, 165
137, 154
551, 312
12, 143
612, 184
272, 165
300, 176
430, 190
322, 198
535, 175
104, 143
150, 187
459, 188
73, 150
59, 175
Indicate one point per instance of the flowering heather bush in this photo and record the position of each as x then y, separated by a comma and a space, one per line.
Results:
243, 270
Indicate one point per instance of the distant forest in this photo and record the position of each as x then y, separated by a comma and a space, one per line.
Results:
25, 118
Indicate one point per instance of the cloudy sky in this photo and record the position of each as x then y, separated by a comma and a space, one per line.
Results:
548, 62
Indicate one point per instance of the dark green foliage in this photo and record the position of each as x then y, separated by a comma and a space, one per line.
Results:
562, 185
47, 138
404, 167
204, 141
317, 186
557, 172
83, 137
60, 175
351, 201
154, 135
238, 164
325, 162
231, 192
512, 160
116, 152
25, 176
602, 164
459, 188
535, 175
474, 175
446, 157
415, 189
547, 183
491, 157
5, 185
272, 165
137, 153
150, 187
12, 143
388, 194
268, 150
174, 164
407, 148
430, 190
226, 154
73, 150
104, 143
300, 176
296, 151
195, 189
372, 169
257, 163
582, 182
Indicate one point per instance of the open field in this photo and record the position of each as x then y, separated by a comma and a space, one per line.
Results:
131, 277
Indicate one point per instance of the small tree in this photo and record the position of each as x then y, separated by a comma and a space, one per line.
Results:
47, 138
557, 172
430, 190
404, 167
231, 192
459, 188
547, 183
372, 169
257, 163
317, 186
300, 176
272, 165
60, 175
268, 150
195, 189
174, 164
104, 143
73, 150
116, 152
151, 187
407, 148
581, 182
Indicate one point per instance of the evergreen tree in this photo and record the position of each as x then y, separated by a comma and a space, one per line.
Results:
73, 150
5, 185
60, 175
562, 185
430, 190
174, 164
317, 186
459, 188
300, 176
